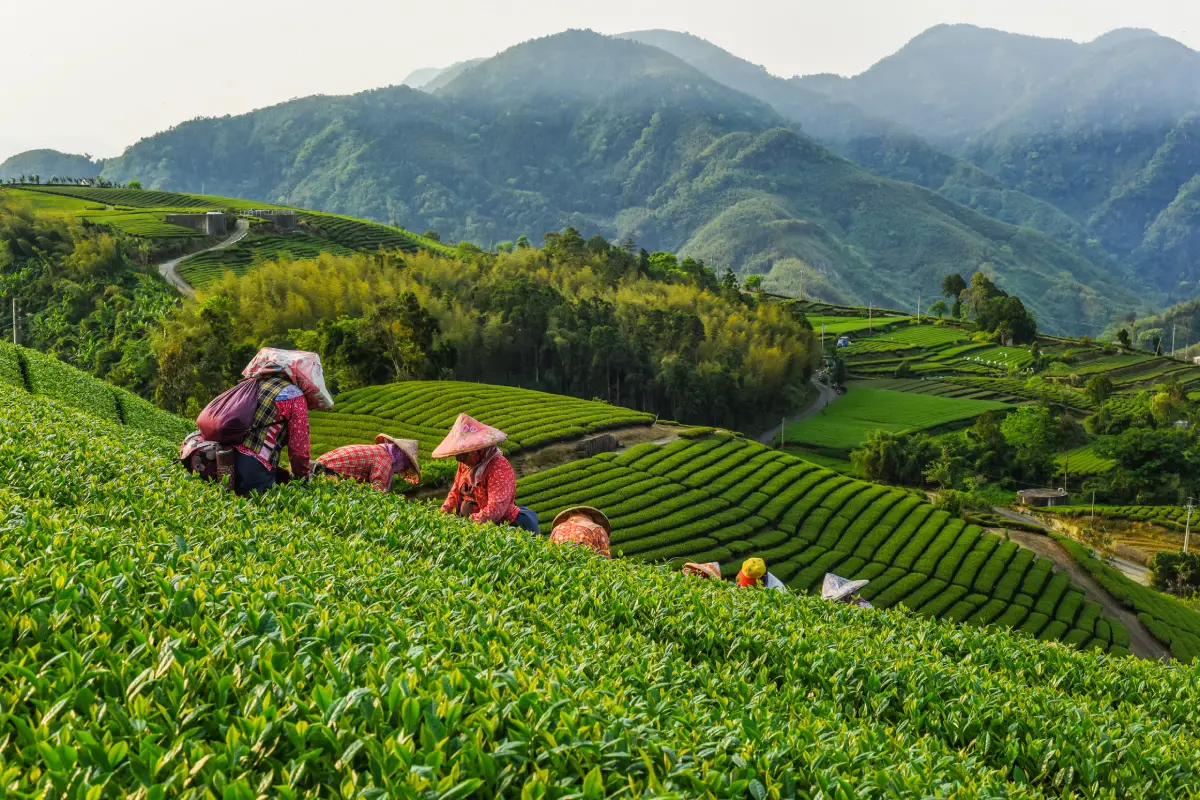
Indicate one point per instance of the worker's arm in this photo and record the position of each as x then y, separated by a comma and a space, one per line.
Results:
381, 471
501, 489
451, 504
295, 412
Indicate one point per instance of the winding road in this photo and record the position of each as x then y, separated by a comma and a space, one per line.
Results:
825, 396
170, 269
1141, 643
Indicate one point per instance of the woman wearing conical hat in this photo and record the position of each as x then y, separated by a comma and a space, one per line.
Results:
485, 484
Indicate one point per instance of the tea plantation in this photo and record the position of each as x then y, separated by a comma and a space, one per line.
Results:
134, 209
163, 637
722, 498
425, 410
201, 270
844, 425
45, 375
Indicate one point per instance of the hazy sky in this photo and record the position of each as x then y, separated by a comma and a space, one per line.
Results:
96, 75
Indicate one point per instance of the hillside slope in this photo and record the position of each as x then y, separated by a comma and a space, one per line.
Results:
48, 163
623, 139
876, 143
328, 638
1104, 132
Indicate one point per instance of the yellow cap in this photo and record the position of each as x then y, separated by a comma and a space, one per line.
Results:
754, 568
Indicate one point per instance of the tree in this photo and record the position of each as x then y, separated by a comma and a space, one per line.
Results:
1099, 388
1123, 338
523, 242
938, 308
135, 184
753, 283
837, 373
953, 286
432, 235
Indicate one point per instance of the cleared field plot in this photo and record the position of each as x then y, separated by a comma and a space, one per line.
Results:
1168, 516
425, 410
723, 498
840, 325
1099, 365
996, 357
845, 423
1085, 461
205, 268
330, 640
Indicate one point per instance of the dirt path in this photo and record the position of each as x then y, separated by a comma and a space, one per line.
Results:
170, 269
825, 396
1141, 643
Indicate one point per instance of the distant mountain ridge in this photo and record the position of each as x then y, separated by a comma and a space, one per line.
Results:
621, 138
49, 163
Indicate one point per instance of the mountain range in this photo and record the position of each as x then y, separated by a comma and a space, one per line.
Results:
1069, 171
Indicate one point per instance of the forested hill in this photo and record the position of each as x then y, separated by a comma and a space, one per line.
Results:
1105, 132
625, 139
48, 163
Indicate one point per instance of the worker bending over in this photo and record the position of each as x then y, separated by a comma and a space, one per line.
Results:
375, 464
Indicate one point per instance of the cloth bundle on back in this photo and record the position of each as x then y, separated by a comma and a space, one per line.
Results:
485, 484
264, 414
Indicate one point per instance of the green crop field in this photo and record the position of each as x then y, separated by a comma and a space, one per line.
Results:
1085, 461
164, 637
348, 232
203, 269
722, 498
922, 336
45, 375
845, 424
840, 325
1100, 365
425, 410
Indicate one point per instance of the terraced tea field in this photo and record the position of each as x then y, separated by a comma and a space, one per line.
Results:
425, 410
136, 209
203, 269
844, 424
836, 325
329, 640
1085, 461
1168, 516
45, 375
722, 498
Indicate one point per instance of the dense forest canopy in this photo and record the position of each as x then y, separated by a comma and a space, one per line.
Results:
581, 318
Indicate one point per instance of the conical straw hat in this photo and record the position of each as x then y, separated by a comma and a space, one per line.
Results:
836, 587
467, 435
709, 569
412, 473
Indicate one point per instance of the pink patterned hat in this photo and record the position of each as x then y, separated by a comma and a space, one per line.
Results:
468, 435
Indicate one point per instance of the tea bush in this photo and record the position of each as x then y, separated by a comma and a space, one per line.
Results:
328, 640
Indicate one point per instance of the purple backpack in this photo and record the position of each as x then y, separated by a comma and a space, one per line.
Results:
227, 419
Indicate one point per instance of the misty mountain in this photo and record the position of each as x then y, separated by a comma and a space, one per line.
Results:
48, 163
620, 138
430, 79
1104, 132
881, 145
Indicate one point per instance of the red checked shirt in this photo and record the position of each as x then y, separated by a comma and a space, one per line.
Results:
291, 407
366, 463
493, 495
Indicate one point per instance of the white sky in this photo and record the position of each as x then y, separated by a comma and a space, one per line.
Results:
97, 75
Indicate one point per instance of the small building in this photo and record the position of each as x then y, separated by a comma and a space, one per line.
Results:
1042, 497
282, 219
210, 223
843, 341
1183, 424
1196, 360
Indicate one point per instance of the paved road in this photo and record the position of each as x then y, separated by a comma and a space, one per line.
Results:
1141, 643
170, 271
825, 396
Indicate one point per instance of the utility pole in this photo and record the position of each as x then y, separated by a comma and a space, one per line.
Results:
1172, 340
918, 309
822, 338
1093, 510
15, 319
782, 422
1187, 528
870, 310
